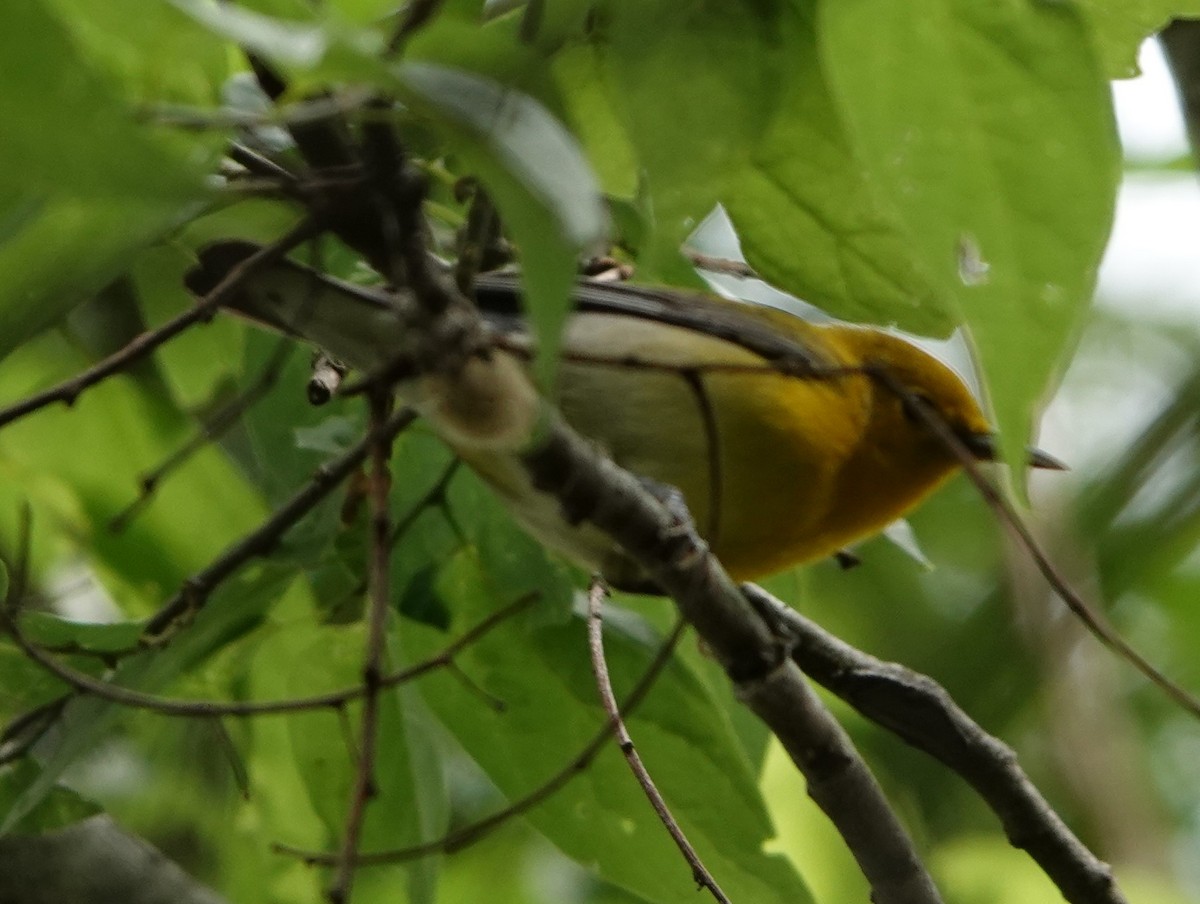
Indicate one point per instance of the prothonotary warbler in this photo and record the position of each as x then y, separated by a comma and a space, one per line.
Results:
678, 387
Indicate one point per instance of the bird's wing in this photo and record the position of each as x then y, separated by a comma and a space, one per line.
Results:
358, 323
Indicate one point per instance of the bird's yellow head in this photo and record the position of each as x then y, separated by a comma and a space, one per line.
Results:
900, 460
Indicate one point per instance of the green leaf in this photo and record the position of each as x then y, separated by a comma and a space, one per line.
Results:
301, 44
753, 126
715, 67
304, 768
541, 673
234, 610
53, 95
409, 804
130, 428
594, 119
26, 684
72, 212
153, 51
48, 630
808, 218
522, 137
60, 807
62, 251
535, 171
950, 103
536, 664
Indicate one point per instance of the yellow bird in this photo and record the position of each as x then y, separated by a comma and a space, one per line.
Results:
678, 387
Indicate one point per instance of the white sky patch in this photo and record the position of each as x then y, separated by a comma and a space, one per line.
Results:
1148, 116
1119, 380
1153, 256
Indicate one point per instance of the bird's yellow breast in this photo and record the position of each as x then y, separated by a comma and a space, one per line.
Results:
757, 455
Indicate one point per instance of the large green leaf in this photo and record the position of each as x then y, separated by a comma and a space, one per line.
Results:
53, 95
808, 217
65, 250
537, 665
727, 103
130, 427
989, 128
83, 184
151, 50
716, 68
408, 804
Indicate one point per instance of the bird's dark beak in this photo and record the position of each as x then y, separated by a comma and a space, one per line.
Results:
1040, 459
983, 447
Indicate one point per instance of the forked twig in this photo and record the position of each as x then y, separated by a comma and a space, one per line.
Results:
464, 837
196, 589
83, 683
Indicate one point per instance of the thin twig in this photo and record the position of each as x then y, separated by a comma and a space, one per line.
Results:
301, 112
476, 831
415, 14
380, 567
144, 343
213, 428
196, 589
435, 495
722, 265
83, 683
703, 878
1091, 618
254, 162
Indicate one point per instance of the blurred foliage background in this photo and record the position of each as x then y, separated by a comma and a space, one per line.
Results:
927, 165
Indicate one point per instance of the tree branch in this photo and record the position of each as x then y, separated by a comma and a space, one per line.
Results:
593, 488
69, 390
920, 712
466, 377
